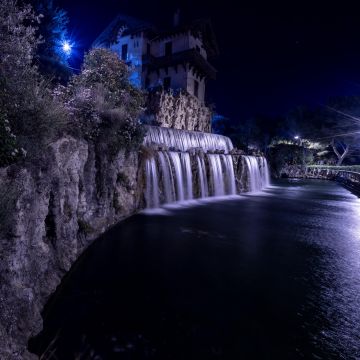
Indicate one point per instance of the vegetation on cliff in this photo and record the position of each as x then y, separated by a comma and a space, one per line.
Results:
103, 106
99, 104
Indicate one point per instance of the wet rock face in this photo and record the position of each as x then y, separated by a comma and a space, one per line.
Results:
241, 175
181, 111
56, 210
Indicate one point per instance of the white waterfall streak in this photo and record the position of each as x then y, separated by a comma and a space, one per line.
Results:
216, 175
265, 172
175, 158
166, 178
204, 189
229, 166
152, 184
258, 173
185, 157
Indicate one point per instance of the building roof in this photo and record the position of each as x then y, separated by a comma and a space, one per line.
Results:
130, 25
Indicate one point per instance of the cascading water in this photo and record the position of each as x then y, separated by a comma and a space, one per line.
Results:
152, 184
186, 164
183, 140
200, 167
265, 173
204, 188
258, 172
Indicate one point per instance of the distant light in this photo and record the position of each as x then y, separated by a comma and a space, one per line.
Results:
66, 47
296, 137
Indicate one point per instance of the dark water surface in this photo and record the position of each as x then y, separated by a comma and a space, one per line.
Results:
268, 276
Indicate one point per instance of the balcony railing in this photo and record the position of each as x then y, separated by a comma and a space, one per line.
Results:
190, 56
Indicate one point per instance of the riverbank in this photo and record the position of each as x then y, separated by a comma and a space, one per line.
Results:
52, 212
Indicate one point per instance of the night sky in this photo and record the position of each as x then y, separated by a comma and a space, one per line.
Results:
272, 57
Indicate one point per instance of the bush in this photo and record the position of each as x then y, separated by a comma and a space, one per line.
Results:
282, 155
33, 115
104, 106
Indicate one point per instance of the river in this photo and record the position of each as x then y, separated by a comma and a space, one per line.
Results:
273, 275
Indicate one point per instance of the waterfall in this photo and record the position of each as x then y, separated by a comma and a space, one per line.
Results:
152, 184
265, 172
167, 177
175, 158
218, 187
184, 140
185, 157
204, 189
194, 165
229, 166
258, 172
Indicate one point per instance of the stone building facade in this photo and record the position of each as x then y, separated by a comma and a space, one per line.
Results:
175, 60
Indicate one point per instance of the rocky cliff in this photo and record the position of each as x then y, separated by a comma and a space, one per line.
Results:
179, 111
51, 213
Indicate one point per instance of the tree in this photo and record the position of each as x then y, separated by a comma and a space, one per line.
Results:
27, 107
104, 105
18, 44
341, 126
53, 31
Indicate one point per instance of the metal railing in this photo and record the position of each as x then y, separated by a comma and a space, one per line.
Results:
351, 173
352, 176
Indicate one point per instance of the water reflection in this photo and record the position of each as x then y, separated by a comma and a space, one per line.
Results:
271, 276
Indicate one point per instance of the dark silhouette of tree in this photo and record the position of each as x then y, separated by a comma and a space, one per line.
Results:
52, 30
341, 126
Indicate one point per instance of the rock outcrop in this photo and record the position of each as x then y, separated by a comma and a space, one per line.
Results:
179, 111
52, 212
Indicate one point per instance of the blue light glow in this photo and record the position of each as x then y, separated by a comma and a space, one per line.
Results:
66, 47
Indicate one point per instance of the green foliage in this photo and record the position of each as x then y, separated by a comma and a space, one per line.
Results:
52, 30
34, 116
335, 124
104, 106
247, 134
18, 42
282, 155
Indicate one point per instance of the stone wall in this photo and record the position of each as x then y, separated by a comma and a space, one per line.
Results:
54, 211
179, 111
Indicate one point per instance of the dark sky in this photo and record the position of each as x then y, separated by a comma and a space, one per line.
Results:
272, 56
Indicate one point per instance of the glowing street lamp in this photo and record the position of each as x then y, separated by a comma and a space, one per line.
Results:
297, 137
